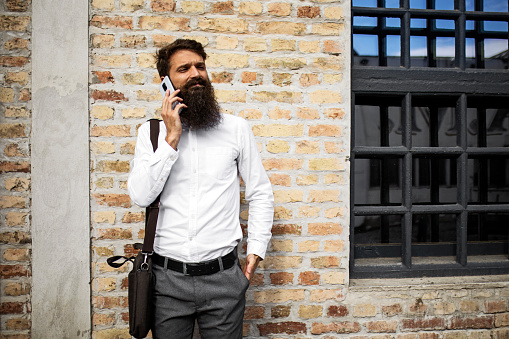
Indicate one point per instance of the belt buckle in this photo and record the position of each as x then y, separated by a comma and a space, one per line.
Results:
186, 266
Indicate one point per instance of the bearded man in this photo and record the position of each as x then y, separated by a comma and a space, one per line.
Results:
196, 170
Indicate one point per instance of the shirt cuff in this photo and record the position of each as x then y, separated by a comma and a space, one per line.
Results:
254, 247
165, 151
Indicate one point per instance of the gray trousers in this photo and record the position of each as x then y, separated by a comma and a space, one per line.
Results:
215, 301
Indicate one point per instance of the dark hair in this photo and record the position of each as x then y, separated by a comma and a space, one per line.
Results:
164, 54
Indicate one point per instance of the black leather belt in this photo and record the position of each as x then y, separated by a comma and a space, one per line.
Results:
202, 268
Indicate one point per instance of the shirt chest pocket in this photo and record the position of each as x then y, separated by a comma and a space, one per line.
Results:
218, 162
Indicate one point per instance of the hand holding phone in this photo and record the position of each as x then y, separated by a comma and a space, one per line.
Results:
165, 85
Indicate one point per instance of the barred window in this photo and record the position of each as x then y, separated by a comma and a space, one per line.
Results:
430, 138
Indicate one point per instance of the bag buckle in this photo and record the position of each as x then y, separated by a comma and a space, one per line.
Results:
144, 265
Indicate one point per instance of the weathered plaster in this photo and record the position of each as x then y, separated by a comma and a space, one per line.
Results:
60, 170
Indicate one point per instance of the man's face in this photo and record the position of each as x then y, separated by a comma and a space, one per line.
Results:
186, 65
189, 74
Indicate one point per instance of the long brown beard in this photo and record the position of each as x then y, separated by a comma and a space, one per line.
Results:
202, 108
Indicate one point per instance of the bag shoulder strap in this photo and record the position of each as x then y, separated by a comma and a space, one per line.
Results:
152, 211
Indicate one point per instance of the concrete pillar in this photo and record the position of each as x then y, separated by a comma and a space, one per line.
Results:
60, 170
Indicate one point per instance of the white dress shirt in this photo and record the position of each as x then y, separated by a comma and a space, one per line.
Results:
200, 193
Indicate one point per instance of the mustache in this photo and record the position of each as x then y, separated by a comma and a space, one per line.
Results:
195, 81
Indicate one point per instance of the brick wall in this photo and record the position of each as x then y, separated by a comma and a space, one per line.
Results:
283, 66
280, 65
15, 113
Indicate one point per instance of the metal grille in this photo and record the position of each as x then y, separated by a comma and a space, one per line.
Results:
430, 145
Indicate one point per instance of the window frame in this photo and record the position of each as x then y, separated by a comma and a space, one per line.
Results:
467, 88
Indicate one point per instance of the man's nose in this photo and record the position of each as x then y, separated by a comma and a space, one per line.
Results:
194, 72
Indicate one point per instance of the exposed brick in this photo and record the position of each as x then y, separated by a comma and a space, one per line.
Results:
131, 5
221, 77
10, 271
279, 9
382, 326
16, 218
14, 166
16, 254
13, 61
17, 5
16, 237
120, 200
250, 8
114, 233
364, 310
280, 311
325, 228
12, 202
281, 262
254, 312
223, 25
325, 131
310, 311
428, 335
12, 308
327, 28
103, 302
500, 334
108, 166
288, 28
16, 289
14, 23
309, 278
392, 310
334, 245
310, 47
444, 308
324, 262
495, 306
278, 296
12, 130
282, 45
472, 323
280, 179
162, 5
323, 295
332, 12
223, 7
16, 44
281, 229
342, 327
17, 324
112, 22
502, 319
289, 327
111, 131
337, 311
103, 319
108, 95
16, 112
423, 324
309, 12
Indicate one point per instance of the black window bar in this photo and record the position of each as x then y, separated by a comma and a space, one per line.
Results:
430, 197
476, 26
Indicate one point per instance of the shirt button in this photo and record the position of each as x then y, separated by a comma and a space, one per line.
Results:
172, 158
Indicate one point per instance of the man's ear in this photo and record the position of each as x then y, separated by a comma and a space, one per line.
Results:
162, 78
